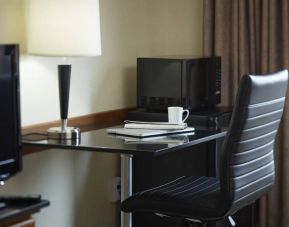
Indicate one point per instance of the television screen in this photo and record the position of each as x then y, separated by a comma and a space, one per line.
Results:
10, 126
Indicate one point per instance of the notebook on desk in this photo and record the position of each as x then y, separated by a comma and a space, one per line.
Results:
147, 132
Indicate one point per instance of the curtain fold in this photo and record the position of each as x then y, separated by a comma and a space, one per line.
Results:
252, 37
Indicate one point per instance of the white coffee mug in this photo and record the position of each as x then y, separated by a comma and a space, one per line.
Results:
175, 114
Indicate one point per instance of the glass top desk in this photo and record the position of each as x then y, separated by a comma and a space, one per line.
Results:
127, 147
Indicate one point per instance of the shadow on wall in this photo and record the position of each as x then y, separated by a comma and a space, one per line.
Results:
93, 173
130, 85
116, 87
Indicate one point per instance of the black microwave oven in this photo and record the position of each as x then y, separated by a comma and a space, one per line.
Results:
193, 83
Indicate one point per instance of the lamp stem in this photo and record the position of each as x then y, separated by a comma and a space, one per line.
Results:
64, 72
64, 132
63, 125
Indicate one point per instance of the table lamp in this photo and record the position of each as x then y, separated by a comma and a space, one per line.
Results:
63, 28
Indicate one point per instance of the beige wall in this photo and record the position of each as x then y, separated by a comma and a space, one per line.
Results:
77, 183
12, 29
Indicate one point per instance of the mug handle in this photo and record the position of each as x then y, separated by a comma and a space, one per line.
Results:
188, 112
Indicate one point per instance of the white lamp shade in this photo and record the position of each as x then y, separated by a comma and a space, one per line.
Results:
63, 28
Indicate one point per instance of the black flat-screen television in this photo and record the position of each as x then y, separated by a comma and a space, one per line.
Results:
10, 125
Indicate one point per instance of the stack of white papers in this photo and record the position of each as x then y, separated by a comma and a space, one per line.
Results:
154, 125
141, 132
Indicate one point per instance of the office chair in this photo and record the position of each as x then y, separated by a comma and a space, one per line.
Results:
246, 162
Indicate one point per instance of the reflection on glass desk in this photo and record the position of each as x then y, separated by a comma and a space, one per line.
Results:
170, 140
101, 141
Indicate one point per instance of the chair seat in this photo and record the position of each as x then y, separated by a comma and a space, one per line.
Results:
190, 197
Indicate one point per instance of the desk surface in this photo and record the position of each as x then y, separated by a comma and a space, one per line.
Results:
101, 141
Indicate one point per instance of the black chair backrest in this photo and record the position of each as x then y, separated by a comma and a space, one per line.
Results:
247, 161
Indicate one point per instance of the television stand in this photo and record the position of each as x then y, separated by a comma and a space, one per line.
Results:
18, 210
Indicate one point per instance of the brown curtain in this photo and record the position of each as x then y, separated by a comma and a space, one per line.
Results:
252, 37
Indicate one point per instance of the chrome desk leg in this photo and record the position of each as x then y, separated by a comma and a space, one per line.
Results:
126, 186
